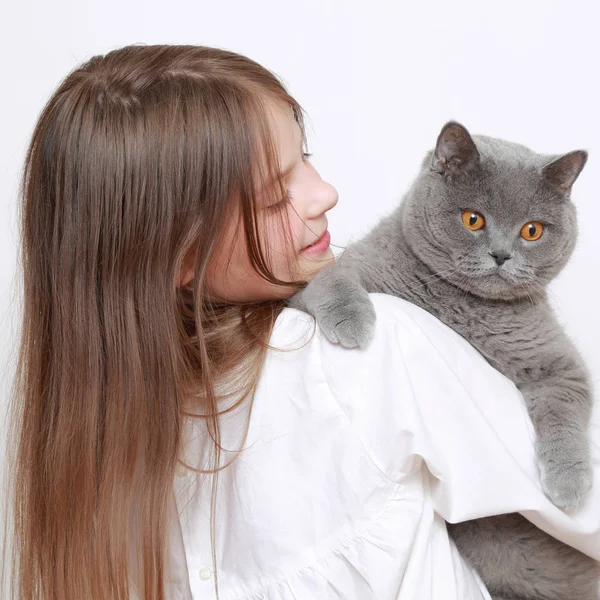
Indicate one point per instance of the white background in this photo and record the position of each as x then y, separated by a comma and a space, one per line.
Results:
378, 80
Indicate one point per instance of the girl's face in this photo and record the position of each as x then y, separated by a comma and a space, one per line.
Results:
309, 198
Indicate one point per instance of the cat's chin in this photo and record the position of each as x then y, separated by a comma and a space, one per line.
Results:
496, 287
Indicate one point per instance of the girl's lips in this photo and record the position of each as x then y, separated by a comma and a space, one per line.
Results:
319, 246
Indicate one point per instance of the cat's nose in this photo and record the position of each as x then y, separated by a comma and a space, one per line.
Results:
500, 256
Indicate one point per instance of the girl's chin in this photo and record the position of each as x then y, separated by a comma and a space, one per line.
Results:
313, 264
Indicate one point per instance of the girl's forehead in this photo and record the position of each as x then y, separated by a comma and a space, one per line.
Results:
286, 130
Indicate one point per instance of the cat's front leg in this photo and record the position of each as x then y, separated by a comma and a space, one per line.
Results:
341, 306
560, 408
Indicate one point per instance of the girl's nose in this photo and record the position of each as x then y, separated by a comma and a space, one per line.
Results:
324, 198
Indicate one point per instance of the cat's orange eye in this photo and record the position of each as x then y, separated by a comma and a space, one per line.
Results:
472, 220
532, 231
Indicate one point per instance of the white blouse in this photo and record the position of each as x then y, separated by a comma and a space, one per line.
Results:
353, 462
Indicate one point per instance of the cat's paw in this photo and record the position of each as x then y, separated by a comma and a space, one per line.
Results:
349, 321
567, 482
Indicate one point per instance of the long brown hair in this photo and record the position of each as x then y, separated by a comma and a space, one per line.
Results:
135, 164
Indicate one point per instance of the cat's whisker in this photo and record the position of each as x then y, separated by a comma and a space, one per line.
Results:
551, 296
433, 277
529, 296
436, 277
538, 287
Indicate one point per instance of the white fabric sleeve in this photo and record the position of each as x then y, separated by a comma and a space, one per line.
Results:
421, 393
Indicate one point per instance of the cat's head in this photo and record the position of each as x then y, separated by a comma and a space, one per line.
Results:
492, 216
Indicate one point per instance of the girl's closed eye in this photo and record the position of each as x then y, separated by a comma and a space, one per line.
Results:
283, 202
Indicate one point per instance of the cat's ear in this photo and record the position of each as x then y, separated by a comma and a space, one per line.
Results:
562, 172
455, 151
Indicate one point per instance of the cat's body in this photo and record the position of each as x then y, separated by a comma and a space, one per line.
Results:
418, 253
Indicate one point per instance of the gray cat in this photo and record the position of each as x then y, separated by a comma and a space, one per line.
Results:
486, 225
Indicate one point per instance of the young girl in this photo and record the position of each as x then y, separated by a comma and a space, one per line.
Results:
176, 431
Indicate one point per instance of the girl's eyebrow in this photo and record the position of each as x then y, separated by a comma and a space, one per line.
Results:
289, 169
285, 172
282, 175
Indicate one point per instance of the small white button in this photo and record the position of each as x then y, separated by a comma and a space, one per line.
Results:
205, 573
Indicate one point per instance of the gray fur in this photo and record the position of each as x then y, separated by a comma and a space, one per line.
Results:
490, 287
